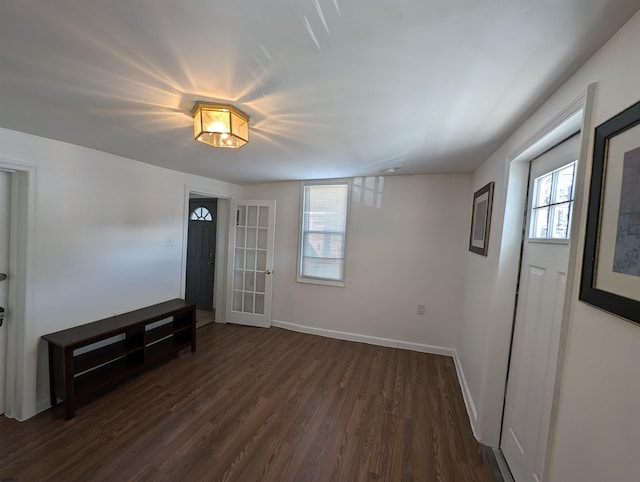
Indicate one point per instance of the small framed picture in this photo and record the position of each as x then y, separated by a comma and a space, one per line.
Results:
611, 263
481, 220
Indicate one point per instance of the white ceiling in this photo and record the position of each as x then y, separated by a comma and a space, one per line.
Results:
334, 88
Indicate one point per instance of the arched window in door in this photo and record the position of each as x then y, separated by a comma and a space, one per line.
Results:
201, 214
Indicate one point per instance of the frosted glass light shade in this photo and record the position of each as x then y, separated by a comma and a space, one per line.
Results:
220, 125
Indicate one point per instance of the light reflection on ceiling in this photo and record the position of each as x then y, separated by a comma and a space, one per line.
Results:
333, 88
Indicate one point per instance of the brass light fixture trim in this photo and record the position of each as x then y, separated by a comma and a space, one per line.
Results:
220, 125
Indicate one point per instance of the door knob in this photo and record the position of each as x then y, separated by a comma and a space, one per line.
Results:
3, 276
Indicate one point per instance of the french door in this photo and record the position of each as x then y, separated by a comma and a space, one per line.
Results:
250, 262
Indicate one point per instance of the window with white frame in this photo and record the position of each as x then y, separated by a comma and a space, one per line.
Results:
323, 232
552, 204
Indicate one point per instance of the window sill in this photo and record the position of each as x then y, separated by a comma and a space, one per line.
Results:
548, 240
321, 282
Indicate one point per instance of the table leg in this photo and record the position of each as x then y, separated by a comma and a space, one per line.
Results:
52, 388
70, 397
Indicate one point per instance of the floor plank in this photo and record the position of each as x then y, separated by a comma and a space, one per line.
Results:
261, 404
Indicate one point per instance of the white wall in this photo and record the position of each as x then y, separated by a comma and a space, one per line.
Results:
407, 252
598, 429
101, 227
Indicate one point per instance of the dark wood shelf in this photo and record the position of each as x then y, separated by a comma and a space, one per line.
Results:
164, 349
163, 331
105, 376
100, 356
84, 335
74, 377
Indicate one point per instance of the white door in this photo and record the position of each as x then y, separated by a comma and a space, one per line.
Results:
543, 277
4, 269
250, 262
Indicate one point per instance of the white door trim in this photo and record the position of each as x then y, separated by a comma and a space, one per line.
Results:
22, 344
509, 257
581, 184
536, 333
221, 245
5, 203
491, 401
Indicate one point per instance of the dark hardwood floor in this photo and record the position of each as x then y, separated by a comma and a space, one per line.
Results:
261, 404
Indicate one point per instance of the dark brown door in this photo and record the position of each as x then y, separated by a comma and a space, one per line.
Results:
201, 249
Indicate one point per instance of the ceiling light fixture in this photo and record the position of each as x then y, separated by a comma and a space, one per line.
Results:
220, 125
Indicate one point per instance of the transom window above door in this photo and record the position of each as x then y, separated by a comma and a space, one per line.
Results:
552, 204
201, 214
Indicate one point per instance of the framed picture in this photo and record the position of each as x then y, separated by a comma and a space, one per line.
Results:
481, 220
611, 263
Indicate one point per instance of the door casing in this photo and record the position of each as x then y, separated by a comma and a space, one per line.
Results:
5, 204
221, 244
573, 117
543, 272
21, 364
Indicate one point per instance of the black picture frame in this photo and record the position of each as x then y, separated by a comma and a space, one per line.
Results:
613, 285
481, 220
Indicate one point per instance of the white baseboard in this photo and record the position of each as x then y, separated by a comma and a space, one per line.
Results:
466, 395
42, 405
371, 340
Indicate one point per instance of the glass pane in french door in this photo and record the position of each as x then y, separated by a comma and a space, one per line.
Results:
250, 259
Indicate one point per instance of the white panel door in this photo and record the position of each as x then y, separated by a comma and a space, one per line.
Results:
536, 336
250, 262
4, 268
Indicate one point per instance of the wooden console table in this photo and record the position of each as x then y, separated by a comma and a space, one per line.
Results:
125, 344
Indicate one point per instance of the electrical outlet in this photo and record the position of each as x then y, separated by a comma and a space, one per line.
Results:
422, 309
